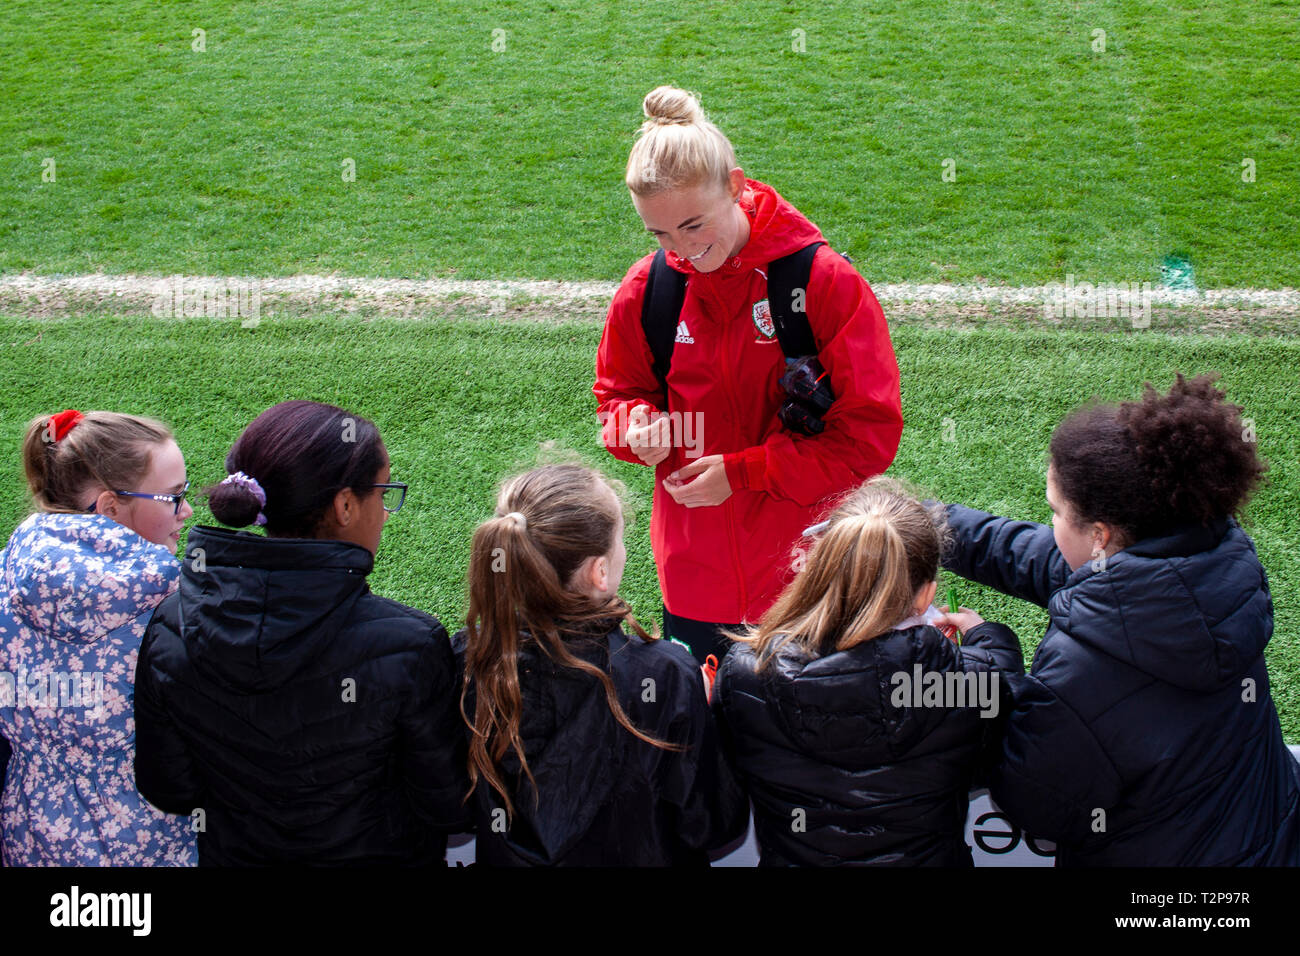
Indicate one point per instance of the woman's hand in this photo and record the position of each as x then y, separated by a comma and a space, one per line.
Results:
649, 438
709, 487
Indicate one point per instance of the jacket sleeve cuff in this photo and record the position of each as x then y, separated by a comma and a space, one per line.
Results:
745, 469
614, 424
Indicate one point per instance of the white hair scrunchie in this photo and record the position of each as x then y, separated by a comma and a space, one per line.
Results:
520, 521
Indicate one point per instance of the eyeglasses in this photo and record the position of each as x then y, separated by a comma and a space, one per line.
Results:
176, 500
394, 495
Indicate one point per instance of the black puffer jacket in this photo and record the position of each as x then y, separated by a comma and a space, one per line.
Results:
603, 797
1145, 732
311, 720
839, 774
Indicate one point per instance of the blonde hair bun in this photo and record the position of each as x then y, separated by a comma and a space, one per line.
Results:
677, 146
668, 106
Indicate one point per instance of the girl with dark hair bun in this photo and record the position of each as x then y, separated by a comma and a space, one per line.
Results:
301, 718
1145, 733
303, 455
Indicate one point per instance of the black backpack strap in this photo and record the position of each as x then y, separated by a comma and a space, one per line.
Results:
787, 287
665, 290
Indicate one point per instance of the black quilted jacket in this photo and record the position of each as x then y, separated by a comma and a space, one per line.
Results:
1145, 732
310, 720
603, 797
842, 764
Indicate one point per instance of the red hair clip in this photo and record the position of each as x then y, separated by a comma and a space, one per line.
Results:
64, 422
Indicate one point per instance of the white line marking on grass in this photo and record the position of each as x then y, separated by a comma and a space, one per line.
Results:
58, 293
136, 287
1037, 295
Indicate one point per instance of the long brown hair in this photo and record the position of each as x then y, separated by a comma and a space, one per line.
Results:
880, 548
548, 521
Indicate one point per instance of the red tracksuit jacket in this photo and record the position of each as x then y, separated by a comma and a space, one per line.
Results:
729, 562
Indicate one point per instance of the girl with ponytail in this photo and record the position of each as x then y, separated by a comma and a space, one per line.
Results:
79, 580
587, 746
856, 726
1145, 733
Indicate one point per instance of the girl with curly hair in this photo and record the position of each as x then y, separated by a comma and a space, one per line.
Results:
1145, 733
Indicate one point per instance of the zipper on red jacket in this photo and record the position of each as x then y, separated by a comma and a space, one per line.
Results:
728, 330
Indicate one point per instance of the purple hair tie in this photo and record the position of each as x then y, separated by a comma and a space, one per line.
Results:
244, 481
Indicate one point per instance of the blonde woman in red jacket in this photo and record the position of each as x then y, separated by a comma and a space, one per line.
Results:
734, 489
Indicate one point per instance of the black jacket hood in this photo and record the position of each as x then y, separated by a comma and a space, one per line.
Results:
1192, 607
254, 609
819, 701
603, 797
573, 744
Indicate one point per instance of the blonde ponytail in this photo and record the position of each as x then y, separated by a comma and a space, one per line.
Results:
880, 547
103, 451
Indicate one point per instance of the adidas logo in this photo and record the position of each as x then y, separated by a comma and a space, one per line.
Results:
684, 334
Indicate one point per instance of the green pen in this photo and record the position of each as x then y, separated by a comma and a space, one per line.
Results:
952, 607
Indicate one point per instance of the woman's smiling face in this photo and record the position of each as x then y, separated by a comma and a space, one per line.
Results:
702, 224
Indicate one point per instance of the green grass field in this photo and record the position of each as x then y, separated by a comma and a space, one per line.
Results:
124, 149
463, 404
481, 163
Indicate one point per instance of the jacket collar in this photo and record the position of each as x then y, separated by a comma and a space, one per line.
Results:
776, 229
256, 612
247, 550
1183, 541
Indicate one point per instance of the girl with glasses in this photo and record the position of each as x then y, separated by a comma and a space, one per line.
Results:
302, 718
81, 578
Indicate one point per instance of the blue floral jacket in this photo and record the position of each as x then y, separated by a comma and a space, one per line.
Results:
76, 592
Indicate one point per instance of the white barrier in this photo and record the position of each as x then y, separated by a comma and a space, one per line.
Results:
994, 840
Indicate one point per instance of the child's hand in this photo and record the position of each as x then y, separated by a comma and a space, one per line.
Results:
649, 438
963, 619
